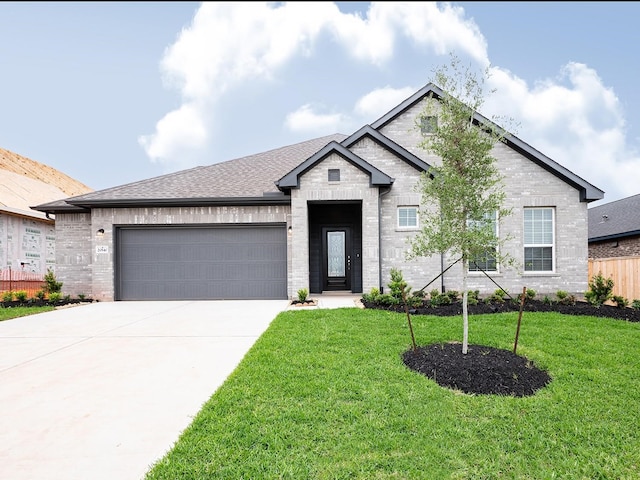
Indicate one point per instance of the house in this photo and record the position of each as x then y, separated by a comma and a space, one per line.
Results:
329, 214
27, 236
614, 229
614, 245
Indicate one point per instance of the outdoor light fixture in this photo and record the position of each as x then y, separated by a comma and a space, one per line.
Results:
290, 230
100, 232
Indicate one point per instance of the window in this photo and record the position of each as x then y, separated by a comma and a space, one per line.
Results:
407, 217
486, 261
334, 174
428, 124
538, 239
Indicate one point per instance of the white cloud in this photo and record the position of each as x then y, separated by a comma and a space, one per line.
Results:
575, 120
175, 128
306, 120
232, 47
378, 102
230, 44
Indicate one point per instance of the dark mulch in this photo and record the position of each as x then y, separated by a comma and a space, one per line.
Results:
482, 370
578, 308
487, 370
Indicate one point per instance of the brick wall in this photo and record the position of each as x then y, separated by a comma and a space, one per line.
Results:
622, 247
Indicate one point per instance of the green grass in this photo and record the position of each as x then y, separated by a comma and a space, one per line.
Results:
15, 312
323, 394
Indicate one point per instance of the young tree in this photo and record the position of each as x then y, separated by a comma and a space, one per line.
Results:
463, 194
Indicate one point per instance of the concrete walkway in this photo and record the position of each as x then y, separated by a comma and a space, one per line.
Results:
103, 390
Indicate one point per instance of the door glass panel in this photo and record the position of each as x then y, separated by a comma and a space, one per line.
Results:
335, 253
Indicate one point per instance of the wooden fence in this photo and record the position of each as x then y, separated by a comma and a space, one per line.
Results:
625, 272
17, 280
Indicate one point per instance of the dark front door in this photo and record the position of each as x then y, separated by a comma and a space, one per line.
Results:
336, 252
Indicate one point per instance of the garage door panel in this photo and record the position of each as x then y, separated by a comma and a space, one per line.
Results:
178, 263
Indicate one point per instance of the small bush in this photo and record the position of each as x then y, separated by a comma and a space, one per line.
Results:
7, 296
40, 294
51, 284
373, 296
55, 297
546, 300
388, 299
620, 301
635, 304
473, 297
398, 285
303, 293
415, 301
498, 296
600, 290
564, 298
453, 295
21, 295
81, 296
529, 294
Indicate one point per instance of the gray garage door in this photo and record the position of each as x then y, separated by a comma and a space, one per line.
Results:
201, 263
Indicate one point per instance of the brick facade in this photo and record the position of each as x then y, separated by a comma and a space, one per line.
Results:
620, 247
85, 259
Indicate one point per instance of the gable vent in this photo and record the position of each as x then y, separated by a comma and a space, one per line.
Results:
334, 174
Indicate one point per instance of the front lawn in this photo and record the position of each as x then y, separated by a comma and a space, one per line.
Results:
324, 394
15, 312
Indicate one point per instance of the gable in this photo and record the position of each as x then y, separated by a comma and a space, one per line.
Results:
588, 192
292, 179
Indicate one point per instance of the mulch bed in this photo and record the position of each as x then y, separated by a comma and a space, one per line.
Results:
485, 370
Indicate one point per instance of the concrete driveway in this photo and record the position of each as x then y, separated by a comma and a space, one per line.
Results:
103, 390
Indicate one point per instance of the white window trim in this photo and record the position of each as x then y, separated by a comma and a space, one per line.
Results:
534, 245
407, 227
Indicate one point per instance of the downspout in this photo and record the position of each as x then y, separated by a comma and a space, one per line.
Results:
380, 195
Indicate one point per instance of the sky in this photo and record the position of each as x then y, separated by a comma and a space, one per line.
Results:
111, 93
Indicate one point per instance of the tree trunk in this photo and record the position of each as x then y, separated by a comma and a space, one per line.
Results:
465, 309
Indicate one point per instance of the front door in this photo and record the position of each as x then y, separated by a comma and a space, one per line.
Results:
336, 249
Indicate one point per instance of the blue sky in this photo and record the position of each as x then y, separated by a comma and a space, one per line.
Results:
114, 92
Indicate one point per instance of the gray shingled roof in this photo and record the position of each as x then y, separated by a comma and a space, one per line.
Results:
241, 180
252, 179
615, 219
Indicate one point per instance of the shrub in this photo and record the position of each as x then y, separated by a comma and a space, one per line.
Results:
302, 295
40, 294
373, 296
7, 296
498, 296
55, 297
620, 301
564, 298
398, 285
546, 300
415, 301
388, 299
529, 294
453, 295
635, 304
473, 297
600, 290
21, 295
51, 284
81, 296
